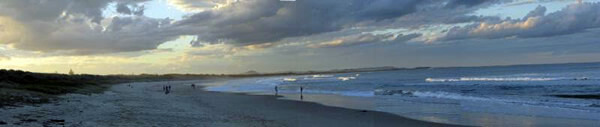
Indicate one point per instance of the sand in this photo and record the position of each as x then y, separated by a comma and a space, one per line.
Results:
145, 104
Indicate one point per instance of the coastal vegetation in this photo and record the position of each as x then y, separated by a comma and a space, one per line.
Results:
19, 87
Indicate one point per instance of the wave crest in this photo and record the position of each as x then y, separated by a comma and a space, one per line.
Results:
489, 79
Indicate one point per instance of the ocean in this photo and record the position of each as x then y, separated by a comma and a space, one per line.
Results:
519, 95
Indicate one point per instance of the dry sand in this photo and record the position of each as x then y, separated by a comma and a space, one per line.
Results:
144, 104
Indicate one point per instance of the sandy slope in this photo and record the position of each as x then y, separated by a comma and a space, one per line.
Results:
145, 104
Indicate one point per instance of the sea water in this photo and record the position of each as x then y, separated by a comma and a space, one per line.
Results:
521, 95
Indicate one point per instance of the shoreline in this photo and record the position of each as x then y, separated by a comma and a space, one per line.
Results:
459, 111
144, 104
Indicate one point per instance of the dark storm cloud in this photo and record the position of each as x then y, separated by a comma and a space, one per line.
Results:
466, 3
263, 21
46, 10
78, 27
123, 8
130, 8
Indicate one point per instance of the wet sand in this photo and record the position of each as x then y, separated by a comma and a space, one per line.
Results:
145, 104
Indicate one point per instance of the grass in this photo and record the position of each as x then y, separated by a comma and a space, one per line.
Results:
21, 87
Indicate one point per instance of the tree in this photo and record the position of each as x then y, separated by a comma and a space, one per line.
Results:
71, 72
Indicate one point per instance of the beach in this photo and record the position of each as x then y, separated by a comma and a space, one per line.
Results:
145, 104
497, 96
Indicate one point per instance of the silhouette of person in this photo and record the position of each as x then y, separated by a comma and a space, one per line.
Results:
301, 93
276, 91
166, 89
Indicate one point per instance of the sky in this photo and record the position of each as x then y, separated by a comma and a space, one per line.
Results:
235, 36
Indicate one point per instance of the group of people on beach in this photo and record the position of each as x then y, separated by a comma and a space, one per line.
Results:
301, 92
167, 89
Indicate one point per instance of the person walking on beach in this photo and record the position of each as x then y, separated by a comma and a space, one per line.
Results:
276, 91
301, 91
193, 86
165, 89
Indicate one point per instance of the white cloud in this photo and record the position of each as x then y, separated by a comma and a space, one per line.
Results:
363, 39
4, 57
73, 27
571, 19
199, 5
269, 21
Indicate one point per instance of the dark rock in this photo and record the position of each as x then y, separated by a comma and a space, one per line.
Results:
3, 123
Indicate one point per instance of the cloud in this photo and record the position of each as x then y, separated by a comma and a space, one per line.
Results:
464, 3
267, 21
10, 30
523, 2
363, 39
123, 8
130, 9
572, 19
44, 10
199, 5
74, 27
4, 57
537, 12
223, 50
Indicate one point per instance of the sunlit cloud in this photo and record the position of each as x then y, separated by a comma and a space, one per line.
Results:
572, 19
10, 30
120, 36
200, 5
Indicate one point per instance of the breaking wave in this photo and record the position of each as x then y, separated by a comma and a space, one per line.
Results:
490, 79
457, 96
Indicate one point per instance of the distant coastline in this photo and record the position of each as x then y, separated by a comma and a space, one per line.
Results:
21, 87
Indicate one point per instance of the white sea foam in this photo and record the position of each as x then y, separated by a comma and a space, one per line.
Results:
322, 76
447, 95
344, 93
248, 85
289, 79
346, 78
456, 96
319, 77
490, 79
